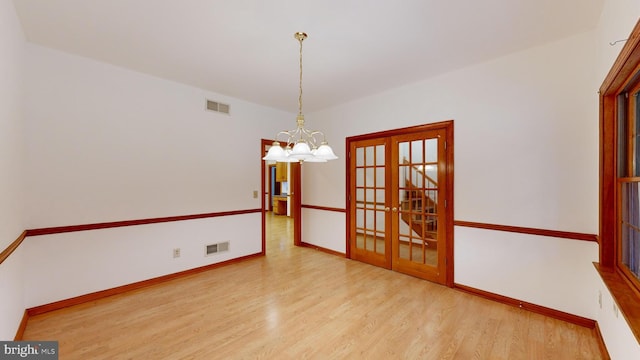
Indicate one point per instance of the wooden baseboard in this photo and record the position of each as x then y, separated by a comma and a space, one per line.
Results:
129, 287
22, 327
556, 314
320, 248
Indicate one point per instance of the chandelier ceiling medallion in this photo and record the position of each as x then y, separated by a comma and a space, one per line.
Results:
302, 145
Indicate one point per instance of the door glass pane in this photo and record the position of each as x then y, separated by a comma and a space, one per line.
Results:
432, 151
369, 156
380, 231
418, 197
380, 155
417, 155
360, 156
360, 228
369, 197
359, 177
403, 152
369, 240
369, 177
404, 250
380, 177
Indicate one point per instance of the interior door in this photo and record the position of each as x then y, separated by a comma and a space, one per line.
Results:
400, 208
418, 208
370, 238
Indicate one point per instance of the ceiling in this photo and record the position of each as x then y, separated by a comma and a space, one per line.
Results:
245, 48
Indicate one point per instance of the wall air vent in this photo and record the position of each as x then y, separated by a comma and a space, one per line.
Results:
216, 248
217, 107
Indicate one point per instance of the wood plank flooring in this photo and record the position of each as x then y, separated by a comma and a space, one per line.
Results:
299, 303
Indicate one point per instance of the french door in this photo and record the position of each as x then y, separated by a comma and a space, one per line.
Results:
370, 202
400, 200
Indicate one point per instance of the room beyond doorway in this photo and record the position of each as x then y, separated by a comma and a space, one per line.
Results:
280, 199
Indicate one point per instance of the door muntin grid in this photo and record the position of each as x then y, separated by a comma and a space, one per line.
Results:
418, 201
370, 198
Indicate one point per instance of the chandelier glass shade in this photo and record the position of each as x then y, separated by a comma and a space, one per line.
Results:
302, 144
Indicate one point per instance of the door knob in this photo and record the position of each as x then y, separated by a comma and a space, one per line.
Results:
395, 209
386, 209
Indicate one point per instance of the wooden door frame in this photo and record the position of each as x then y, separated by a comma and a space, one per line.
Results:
448, 194
296, 196
269, 206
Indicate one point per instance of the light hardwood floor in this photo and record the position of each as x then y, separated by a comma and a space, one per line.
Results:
299, 303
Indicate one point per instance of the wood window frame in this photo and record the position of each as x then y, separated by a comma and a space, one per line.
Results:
625, 290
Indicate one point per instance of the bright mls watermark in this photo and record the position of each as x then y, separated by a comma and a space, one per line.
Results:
31, 350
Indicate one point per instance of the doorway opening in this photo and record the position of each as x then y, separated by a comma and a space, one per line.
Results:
281, 194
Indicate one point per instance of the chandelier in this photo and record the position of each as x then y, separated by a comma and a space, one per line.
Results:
302, 145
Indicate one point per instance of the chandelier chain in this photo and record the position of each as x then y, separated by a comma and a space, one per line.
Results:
300, 84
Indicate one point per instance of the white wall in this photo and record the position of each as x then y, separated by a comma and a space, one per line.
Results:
110, 144
535, 110
324, 229
11, 155
526, 154
89, 261
553, 272
616, 23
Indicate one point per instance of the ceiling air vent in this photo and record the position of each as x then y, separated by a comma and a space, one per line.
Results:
217, 107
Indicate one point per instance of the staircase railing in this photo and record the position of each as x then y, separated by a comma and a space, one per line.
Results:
418, 179
419, 201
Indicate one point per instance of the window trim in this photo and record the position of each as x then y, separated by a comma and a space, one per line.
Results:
622, 73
